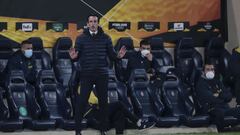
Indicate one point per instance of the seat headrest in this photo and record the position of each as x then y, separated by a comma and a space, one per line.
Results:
127, 42
17, 80
170, 84
17, 76
185, 43
64, 43
171, 77
171, 81
165, 69
111, 75
216, 43
47, 77
112, 85
47, 73
139, 75
16, 73
111, 72
156, 43
5, 45
48, 80
171, 71
37, 43
139, 71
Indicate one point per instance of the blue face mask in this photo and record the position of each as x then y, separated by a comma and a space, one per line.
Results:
28, 53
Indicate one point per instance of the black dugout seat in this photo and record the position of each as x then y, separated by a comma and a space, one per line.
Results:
145, 102
163, 57
121, 66
42, 58
52, 100
188, 61
5, 123
216, 53
22, 103
3, 108
178, 104
117, 91
5, 53
62, 64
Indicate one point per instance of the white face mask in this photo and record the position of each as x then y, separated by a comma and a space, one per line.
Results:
210, 75
28, 53
145, 52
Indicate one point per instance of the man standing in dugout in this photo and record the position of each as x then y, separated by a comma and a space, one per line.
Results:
92, 50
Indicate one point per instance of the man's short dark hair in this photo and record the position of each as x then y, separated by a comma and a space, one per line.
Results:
208, 62
26, 42
94, 16
144, 42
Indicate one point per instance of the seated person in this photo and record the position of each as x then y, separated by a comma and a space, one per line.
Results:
234, 65
214, 97
117, 114
23, 59
143, 59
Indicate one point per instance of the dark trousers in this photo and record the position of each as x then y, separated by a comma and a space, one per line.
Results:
219, 113
118, 112
237, 90
86, 84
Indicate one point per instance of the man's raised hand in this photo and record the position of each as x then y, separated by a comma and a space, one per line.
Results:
122, 52
73, 54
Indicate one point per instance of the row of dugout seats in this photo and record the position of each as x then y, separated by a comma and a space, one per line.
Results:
188, 63
61, 62
166, 102
45, 107
187, 60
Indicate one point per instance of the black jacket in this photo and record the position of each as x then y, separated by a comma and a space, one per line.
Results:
205, 90
234, 64
19, 62
94, 51
139, 62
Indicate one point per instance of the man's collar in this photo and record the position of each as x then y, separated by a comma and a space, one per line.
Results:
95, 33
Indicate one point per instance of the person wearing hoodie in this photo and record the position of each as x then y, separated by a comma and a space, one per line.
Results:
234, 65
214, 97
92, 50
